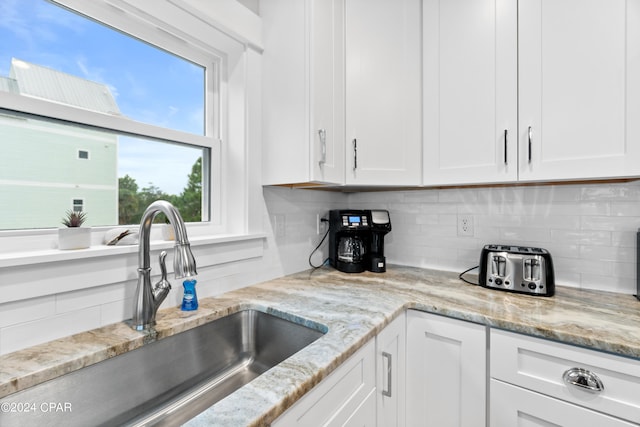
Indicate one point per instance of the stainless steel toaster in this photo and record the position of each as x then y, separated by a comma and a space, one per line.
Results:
517, 269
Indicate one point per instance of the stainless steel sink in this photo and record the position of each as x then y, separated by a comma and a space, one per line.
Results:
166, 382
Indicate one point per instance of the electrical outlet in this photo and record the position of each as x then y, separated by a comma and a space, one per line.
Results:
465, 225
320, 225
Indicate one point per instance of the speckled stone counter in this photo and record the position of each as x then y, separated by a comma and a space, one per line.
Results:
354, 308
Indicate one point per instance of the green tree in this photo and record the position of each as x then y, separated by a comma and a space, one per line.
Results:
128, 200
149, 195
189, 203
133, 202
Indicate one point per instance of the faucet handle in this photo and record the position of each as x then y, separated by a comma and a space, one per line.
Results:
163, 266
162, 288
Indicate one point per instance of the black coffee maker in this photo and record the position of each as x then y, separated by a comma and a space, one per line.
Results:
356, 240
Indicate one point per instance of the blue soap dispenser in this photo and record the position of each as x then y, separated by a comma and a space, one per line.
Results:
190, 298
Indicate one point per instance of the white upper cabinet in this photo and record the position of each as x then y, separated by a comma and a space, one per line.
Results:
303, 91
579, 64
531, 90
470, 91
383, 92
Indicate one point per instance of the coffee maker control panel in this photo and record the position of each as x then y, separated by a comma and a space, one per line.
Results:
354, 221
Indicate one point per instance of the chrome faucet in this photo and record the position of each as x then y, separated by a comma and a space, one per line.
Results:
148, 298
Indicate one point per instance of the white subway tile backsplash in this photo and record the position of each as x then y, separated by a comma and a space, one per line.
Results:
70, 301
583, 266
582, 237
419, 197
608, 253
429, 219
612, 284
590, 229
26, 310
624, 238
625, 208
614, 192
116, 311
35, 332
537, 236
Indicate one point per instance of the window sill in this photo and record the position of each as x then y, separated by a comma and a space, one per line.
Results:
17, 259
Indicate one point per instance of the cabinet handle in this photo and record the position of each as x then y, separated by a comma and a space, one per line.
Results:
584, 379
323, 146
530, 139
505, 148
387, 392
355, 154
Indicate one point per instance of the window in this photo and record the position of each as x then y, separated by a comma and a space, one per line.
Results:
144, 112
78, 205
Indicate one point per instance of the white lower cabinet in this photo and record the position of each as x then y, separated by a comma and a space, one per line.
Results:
344, 398
430, 370
365, 391
390, 373
536, 382
516, 406
446, 371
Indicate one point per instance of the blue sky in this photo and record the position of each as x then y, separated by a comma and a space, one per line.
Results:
148, 84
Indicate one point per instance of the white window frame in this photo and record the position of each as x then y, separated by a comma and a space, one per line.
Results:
180, 27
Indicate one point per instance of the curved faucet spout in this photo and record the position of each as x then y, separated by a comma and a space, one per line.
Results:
147, 300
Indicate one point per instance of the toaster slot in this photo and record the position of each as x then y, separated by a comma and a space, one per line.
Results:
498, 266
531, 269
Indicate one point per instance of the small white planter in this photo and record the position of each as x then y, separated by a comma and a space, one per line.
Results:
74, 238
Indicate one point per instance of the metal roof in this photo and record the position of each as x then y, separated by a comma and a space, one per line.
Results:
8, 85
46, 83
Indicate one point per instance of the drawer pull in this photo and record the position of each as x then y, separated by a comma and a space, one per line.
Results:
584, 379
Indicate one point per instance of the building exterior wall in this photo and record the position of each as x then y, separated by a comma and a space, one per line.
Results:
41, 173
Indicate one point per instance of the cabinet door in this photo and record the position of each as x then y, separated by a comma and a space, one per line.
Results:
447, 383
303, 91
365, 415
344, 398
383, 92
390, 373
327, 91
579, 70
515, 406
470, 91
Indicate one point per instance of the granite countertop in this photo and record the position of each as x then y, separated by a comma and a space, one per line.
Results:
354, 308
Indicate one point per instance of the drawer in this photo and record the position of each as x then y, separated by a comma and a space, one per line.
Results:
539, 365
515, 406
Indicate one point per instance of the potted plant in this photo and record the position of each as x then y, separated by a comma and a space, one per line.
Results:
74, 236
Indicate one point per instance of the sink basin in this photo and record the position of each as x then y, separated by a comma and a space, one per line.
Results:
166, 382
